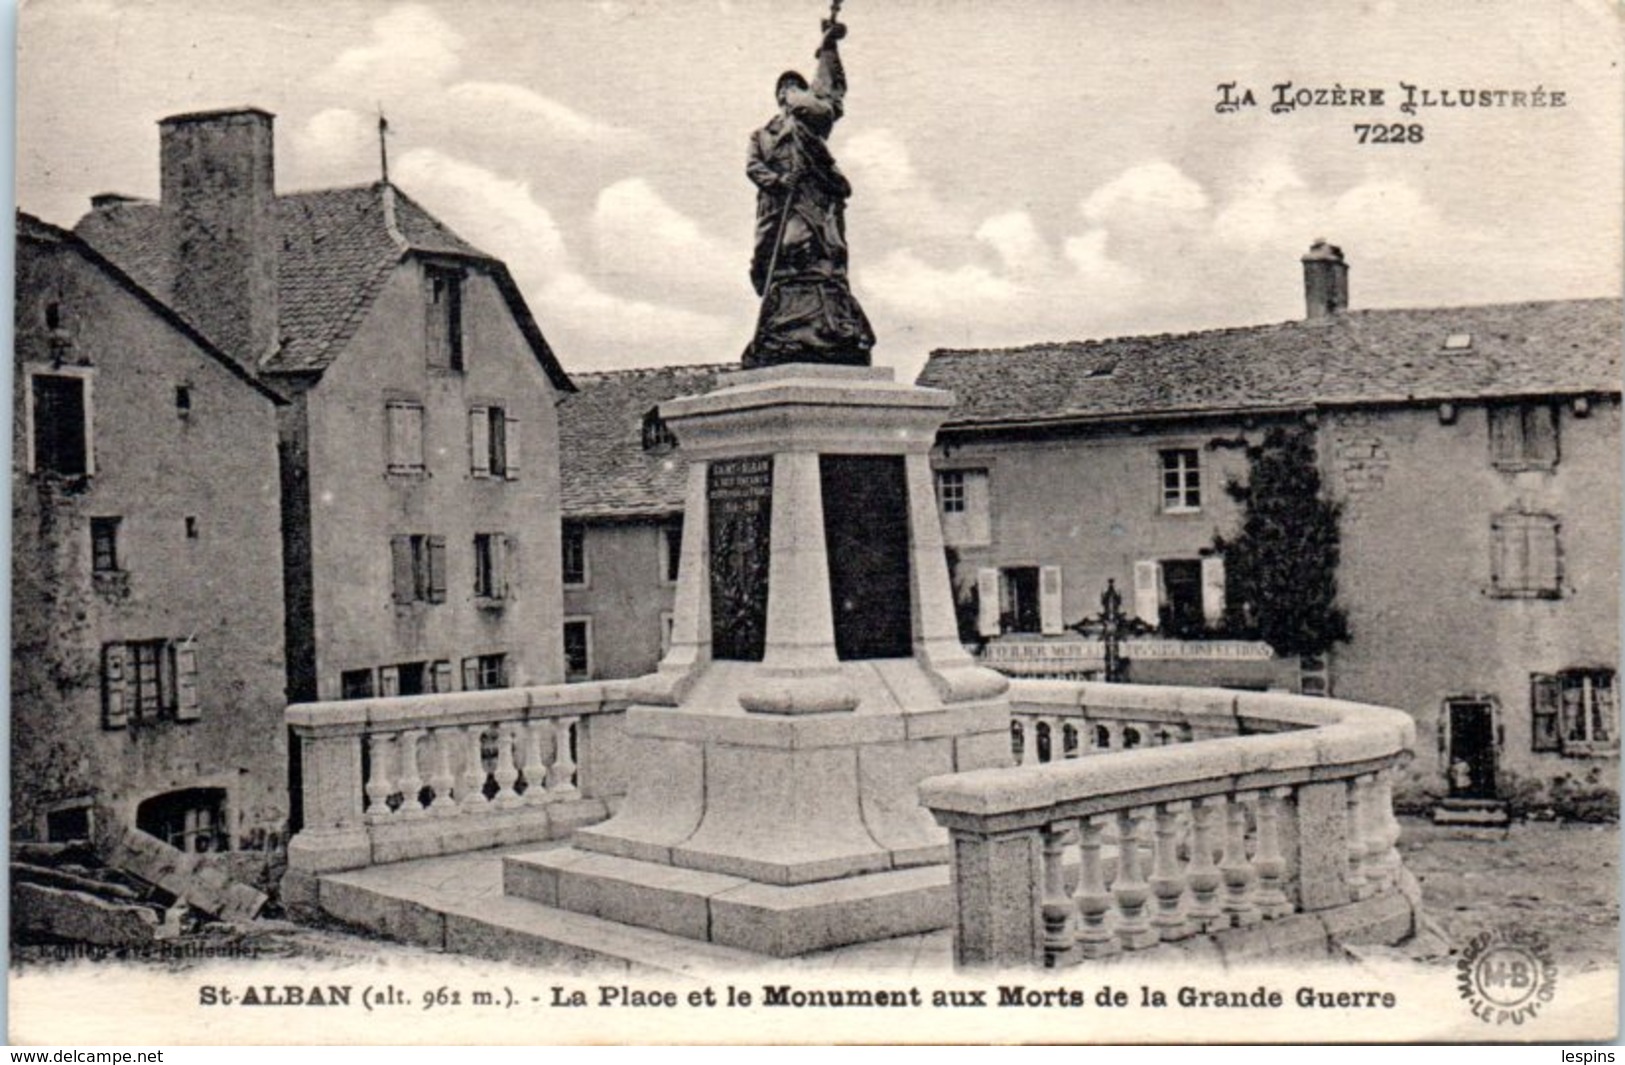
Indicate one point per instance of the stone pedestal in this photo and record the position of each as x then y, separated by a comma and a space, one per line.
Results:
771, 798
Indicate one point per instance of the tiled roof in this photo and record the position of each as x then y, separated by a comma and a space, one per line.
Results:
30, 228
338, 247
604, 470
1374, 356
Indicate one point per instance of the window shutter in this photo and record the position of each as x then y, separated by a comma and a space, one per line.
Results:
400, 564
1148, 591
471, 674
987, 602
1540, 434
1505, 436
512, 436
114, 660
187, 706
437, 569
1213, 590
509, 569
390, 677
441, 675
479, 441
1049, 600
1545, 700
1543, 574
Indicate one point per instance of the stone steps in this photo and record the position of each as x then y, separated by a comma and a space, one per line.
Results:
1476, 813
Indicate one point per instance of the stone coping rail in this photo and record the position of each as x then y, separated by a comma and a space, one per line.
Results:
393, 778
1284, 801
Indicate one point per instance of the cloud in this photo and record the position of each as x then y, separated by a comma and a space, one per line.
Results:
499, 105
892, 191
590, 327
640, 237
411, 46
336, 144
908, 283
1158, 193
1015, 238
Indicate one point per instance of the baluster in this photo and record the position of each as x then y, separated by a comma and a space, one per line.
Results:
471, 789
442, 779
1359, 884
506, 772
1237, 871
535, 767
1095, 938
410, 782
1268, 862
1391, 861
1059, 912
561, 779
1130, 887
379, 785
1167, 882
1029, 741
1202, 875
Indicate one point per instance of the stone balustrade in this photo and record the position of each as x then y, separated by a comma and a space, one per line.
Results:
1231, 810
388, 779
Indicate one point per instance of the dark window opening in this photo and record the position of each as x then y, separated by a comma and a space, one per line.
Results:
183, 400
192, 819
418, 565
356, 684
414, 678
59, 425
53, 315
63, 826
574, 552
1018, 600
497, 441
577, 650
1181, 608
445, 316
104, 555
657, 435
672, 549
191, 527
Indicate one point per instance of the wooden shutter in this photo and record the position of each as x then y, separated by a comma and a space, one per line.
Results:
471, 674
1540, 434
115, 658
390, 680
479, 441
1545, 702
1049, 600
1506, 436
441, 676
400, 565
508, 572
187, 705
512, 437
1213, 590
1543, 574
1148, 591
437, 569
987, 602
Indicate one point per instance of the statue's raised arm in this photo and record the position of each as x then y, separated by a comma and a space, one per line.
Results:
800, 265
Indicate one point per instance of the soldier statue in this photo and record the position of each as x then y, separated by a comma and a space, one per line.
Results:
799, 268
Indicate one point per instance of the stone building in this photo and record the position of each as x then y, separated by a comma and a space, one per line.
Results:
419, 488
623, 480
146, 575
1475, 454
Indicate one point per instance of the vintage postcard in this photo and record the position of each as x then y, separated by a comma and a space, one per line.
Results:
764, 522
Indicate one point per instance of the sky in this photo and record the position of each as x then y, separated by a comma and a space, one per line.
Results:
1023, 170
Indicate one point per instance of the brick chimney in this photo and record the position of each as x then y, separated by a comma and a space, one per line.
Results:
1325, 280
218, 189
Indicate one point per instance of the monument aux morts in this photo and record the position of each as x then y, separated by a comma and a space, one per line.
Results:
815, 674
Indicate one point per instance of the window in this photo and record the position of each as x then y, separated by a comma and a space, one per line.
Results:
104, 545
356, 684
1523, 436
145, 681
1181, 481
493, 553
1018, 599
192, 819
406, 678
1180, 596
443, 294
962, 501
657, 435
1525, 560
418, 568
183, 400
59, 423
574, 552
1574, 711
493, 443
404, 426
577, 648
483, 672
1180, 613
671, 550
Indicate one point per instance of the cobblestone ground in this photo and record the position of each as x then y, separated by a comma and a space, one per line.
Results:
1561, 880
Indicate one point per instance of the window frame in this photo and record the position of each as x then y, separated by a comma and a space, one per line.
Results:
105, 531
1516, 421
86, 375
445, 346
1592, 713
1524, 524
585, 621
585, 576
951, 494
405, 469
1175, 495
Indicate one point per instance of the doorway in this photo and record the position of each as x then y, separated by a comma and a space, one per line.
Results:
1470, 766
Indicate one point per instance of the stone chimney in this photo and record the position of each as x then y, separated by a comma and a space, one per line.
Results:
218, 190
1325, 280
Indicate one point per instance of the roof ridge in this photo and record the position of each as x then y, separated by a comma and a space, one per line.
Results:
649, 371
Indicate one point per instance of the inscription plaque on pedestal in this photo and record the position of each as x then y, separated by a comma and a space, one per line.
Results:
739, 497
866, 537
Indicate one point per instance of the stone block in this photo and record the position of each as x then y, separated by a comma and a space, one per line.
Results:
786, 921
666, 792
535, 876
83, 917
1387, 918
1320, 817
986, 750
888, 793
662, 897
998, 883
467, 934
397, 918
604, 750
